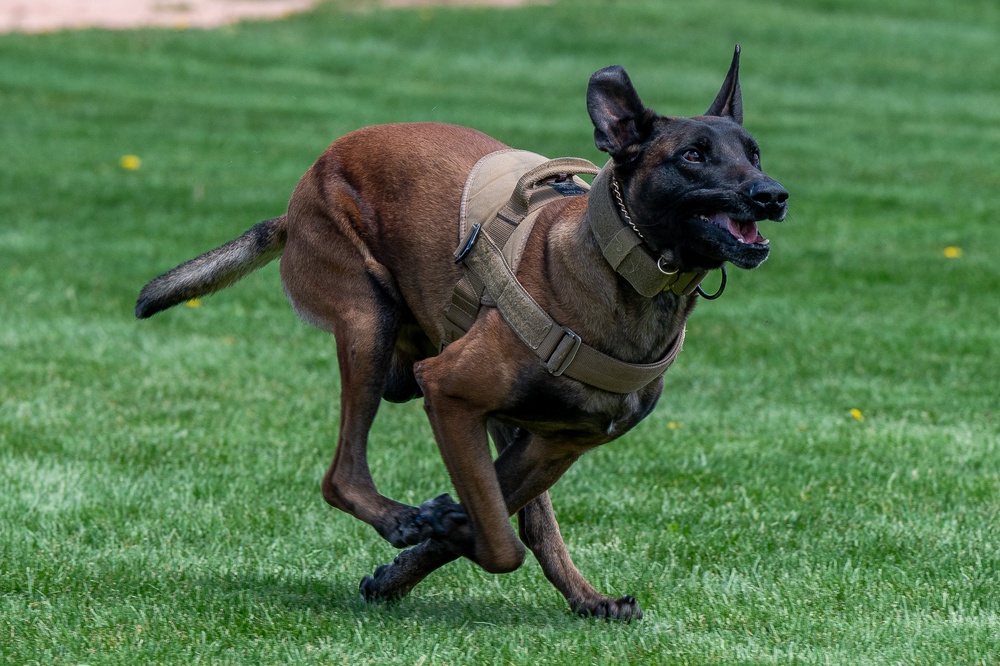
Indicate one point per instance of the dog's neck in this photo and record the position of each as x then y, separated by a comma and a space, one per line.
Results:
604, 308
624, 247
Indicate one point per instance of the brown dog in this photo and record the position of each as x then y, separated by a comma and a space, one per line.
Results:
366, 251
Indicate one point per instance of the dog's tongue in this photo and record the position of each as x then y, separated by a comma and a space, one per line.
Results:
744, 231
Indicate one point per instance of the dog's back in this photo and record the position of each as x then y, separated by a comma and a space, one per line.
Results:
376, 195
388, 196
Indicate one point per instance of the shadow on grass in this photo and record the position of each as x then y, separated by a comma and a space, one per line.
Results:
429, 604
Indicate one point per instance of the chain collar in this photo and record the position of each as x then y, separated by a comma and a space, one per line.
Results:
624, 211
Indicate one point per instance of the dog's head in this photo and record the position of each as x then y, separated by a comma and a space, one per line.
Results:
693, 186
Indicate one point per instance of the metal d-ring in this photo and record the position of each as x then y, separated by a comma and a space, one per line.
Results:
722, 287
663, 265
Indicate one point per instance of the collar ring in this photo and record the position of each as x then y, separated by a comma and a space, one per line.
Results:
665, 266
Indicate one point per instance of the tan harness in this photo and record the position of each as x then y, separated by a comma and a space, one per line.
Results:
493, 230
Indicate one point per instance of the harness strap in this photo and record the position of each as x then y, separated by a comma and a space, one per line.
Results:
492, 250
509, 220
560, 350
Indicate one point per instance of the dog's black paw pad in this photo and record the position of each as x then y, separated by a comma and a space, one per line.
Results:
413, 527
406, 533
624, 609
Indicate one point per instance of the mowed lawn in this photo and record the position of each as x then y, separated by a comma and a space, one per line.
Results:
820, 482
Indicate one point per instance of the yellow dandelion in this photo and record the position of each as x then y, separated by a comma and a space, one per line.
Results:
953, 252
193, 303
858, 416
674, 425
130, 162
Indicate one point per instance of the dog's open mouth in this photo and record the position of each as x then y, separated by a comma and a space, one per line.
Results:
745, 232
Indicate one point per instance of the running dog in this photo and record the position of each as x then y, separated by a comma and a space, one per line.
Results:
367, 249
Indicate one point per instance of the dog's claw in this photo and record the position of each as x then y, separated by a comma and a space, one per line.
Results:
371, 590
624, 609
367, 588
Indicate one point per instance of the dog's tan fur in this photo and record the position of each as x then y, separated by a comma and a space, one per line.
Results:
366, 253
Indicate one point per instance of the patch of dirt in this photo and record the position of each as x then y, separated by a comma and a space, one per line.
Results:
51, 15
455, 3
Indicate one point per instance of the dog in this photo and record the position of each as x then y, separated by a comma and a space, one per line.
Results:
366, 248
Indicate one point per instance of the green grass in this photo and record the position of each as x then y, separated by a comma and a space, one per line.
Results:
159, 480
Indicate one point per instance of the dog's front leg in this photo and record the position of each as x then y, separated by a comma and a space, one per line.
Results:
539, 531
457, 403
537, 521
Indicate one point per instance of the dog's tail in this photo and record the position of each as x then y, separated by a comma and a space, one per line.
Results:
214, 270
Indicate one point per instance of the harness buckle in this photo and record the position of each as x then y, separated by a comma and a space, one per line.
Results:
466, 243
564, 353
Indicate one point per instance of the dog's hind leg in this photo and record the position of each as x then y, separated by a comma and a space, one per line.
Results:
395, 580
364, 354
335, 283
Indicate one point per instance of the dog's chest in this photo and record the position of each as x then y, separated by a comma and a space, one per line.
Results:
577, 412
629, 410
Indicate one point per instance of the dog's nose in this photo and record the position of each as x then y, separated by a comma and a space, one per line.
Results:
768, 193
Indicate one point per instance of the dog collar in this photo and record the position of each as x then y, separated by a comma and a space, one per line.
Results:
623, 246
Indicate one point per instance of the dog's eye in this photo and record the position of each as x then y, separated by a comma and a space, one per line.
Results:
755, 159
693, 155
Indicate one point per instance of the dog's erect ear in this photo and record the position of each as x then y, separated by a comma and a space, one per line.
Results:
729, 102
621, 122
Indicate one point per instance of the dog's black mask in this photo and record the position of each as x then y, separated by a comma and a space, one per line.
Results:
693, 186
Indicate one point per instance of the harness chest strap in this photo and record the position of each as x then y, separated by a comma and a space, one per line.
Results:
560, 349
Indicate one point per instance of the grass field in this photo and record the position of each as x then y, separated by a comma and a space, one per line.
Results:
819, 484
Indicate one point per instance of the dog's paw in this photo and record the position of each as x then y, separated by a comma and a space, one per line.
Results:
440, 518
624, 608
391, 582
373, 587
